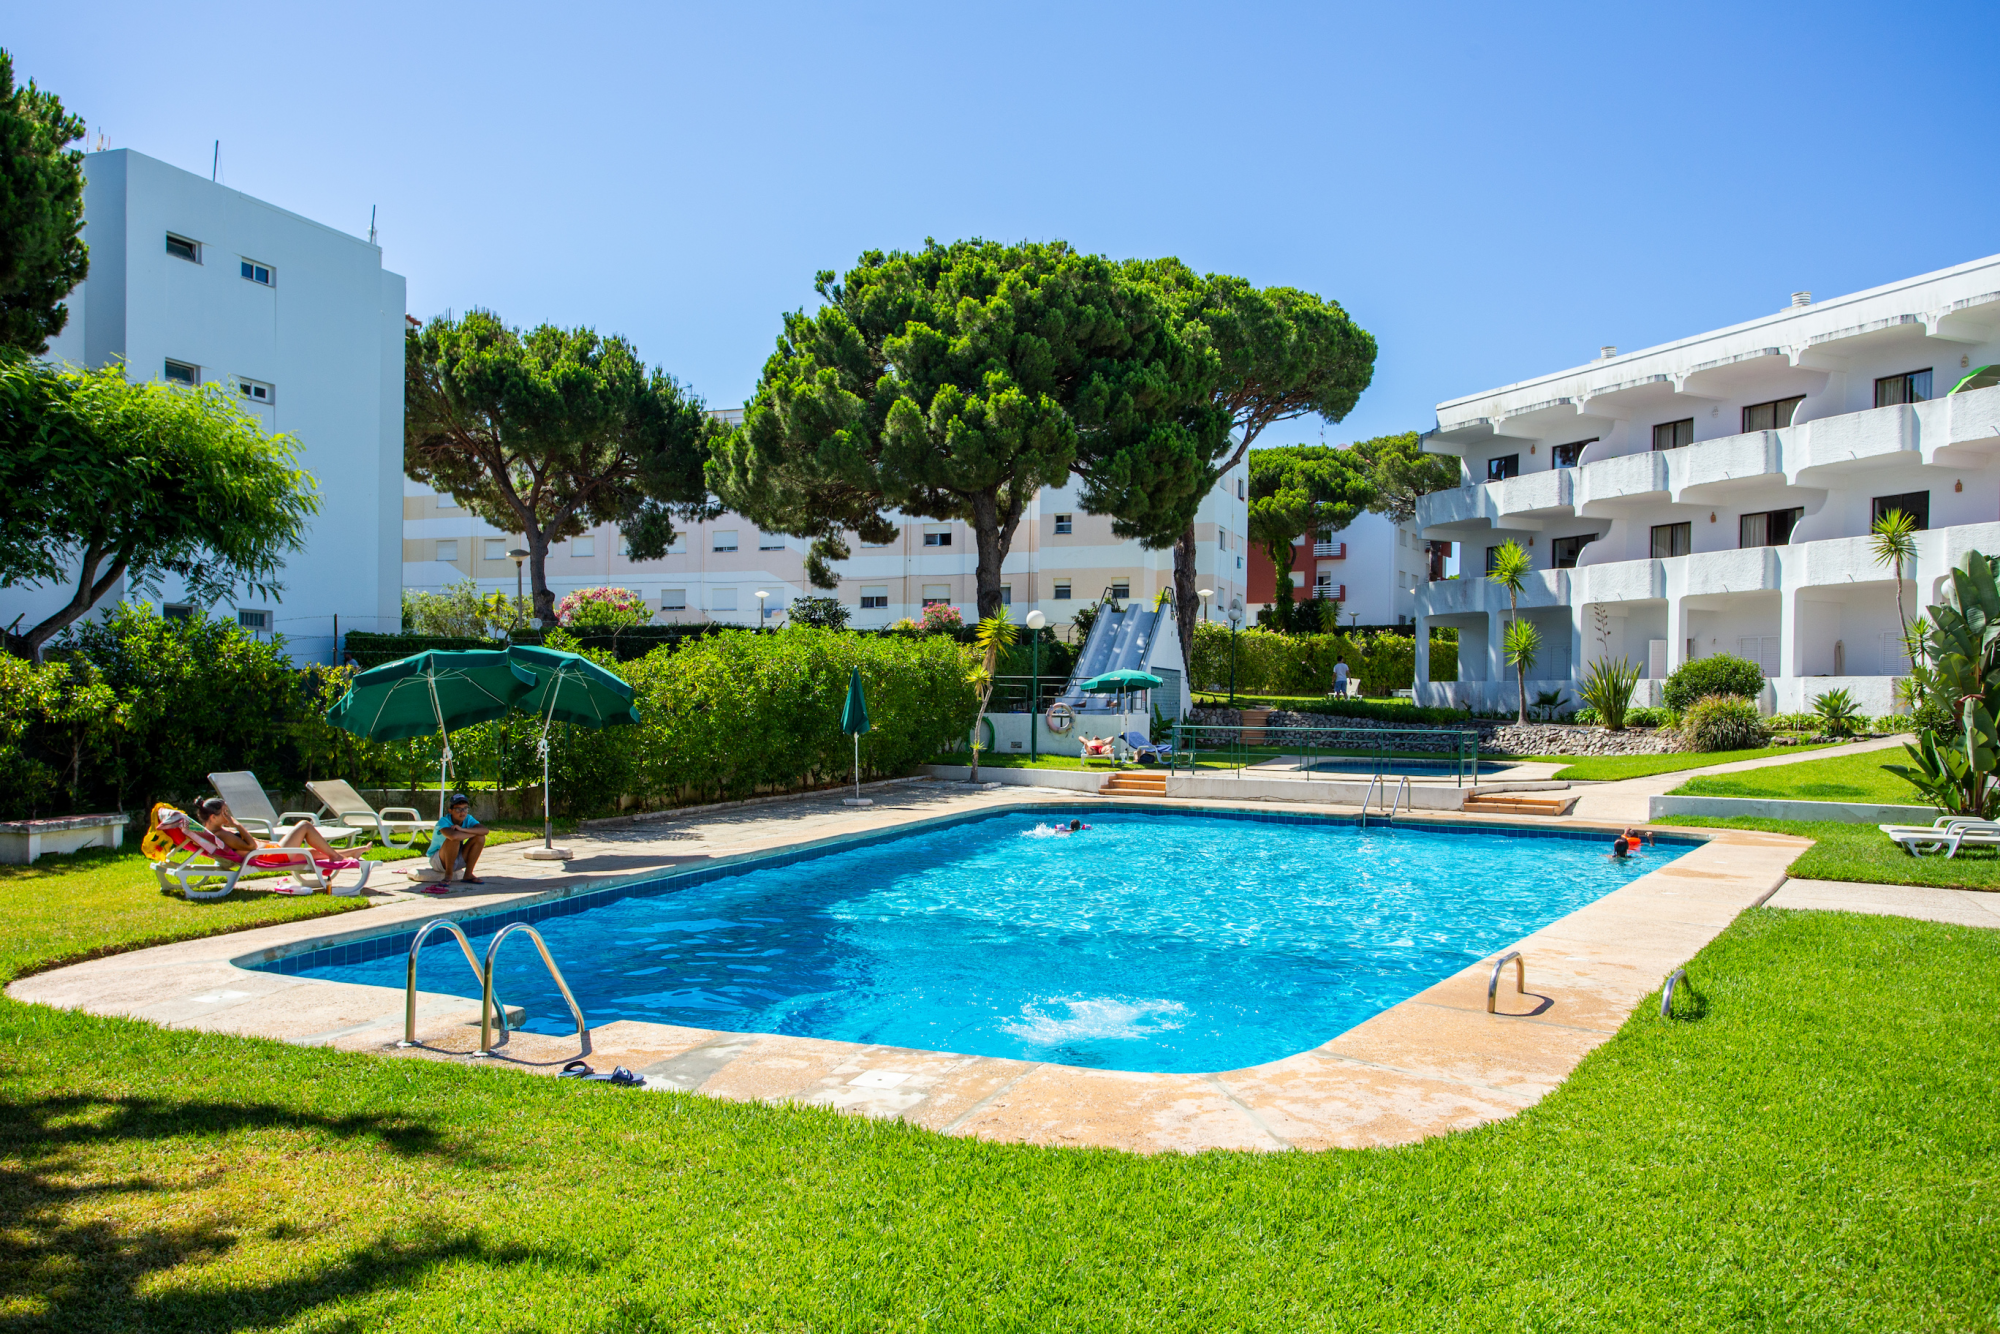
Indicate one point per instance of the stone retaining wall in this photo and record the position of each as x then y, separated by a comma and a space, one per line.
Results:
1496, 738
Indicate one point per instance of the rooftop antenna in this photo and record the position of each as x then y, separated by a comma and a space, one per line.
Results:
371, 224
215, 163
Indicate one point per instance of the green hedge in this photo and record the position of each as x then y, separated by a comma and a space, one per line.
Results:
1270, 663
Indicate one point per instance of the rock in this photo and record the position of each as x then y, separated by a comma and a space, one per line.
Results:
1495, 738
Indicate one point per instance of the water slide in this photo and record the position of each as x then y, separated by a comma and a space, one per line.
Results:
1118, 640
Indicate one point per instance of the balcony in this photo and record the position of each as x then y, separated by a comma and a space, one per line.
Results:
1707, 470
1330, 550
1470, 595
1628, 477
1747, 571
1524, 501
1460, 507
1624, 581
1855, 437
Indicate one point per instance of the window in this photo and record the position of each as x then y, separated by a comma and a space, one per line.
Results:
1492, 557
496, 548
1065, 523
182, 248
1567, 456
447, 551
1760, 649
447, 501
723, 540
936, 593
1500, 469
673, 599
1916, 504
583, 546
1770, 529
1239, 562
1773, 416
679, 546
722, 599
1062, 590
1242, 489
624, 545
176, 611
254, 620
876, 598
1563, 551
1673, 539
253, 392
1222, 539
937, 537
1674, 435
252, 270
180, 372
1006, 595
1909, 387
1121, 589
770, 542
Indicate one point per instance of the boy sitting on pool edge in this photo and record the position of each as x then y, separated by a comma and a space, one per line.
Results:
456, 836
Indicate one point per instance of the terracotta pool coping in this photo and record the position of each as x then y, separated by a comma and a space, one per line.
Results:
1433, 1063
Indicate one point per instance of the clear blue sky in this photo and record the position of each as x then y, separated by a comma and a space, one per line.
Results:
1492, 190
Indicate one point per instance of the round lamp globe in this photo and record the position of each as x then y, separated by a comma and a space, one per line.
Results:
1036, 620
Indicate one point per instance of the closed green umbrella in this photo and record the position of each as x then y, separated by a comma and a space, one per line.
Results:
854, 721
437, 690
568, 689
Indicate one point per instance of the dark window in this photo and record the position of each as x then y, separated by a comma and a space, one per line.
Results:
256, 273
182, 248
1566, 456
937, 539
1772, 528
182, 373
1916, 504
1062, 590
1674, 435
1064, 522
874, 601
1122, 589
176, 611
1563, 551
1492, 557
1006, 595
1500, 469
1773, 416
1909, 387
254, 620
1672, 539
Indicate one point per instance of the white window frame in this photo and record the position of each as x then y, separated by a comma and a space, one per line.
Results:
584, 547
253, 618
187, 241
770, 542
875, 597
936, 536
496, 548
1060, 591
1065, 524
715, 540
167, 372
673, 599
257, 393
447, 550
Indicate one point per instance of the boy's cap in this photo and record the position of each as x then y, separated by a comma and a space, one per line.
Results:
459, 799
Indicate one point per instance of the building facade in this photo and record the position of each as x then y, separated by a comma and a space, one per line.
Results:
1372, 567
1062, 561
194, 283
1715, 495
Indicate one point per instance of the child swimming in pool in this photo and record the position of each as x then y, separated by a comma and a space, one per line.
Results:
1057, 830
1620, 849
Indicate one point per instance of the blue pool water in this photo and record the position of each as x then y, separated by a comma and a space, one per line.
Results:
1154, 941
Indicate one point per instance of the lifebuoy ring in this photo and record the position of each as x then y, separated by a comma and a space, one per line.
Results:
1061, 717
986, 729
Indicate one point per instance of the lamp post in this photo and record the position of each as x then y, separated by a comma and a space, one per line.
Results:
1204, 594
1035, 623
518, 554
1235, 624
761, 613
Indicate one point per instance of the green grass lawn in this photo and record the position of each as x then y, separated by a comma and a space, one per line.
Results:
1814, 1143
1837, 778
1610, 767
1862, 852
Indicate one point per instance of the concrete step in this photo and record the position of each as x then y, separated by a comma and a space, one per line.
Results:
1521, 805
1136, 784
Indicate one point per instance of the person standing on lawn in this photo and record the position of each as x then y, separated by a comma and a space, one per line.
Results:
457, 837
1340, 678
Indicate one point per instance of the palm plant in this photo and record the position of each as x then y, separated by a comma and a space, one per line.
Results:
1608, 687
1893, 543
1838, 713
994, 634
1510, 567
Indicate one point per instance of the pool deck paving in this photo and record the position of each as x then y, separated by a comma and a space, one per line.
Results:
1434, 1063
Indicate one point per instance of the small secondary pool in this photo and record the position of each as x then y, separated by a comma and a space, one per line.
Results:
1168, 941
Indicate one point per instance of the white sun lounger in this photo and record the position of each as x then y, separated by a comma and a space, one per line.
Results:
252, 809
1958, 834
346, 806
198, 862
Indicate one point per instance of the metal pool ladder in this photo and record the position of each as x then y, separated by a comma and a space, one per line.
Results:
1520, 977
1402, 788
486, 1002
410, 979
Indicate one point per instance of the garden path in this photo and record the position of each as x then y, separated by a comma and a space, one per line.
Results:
1624, 802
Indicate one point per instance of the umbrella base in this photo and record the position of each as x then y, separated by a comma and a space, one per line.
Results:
425, 874
857, 801
548, 854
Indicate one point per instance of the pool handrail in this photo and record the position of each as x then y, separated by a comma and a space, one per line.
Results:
1520, 977
1667, 991
1402, 789
486, 1043
410, 978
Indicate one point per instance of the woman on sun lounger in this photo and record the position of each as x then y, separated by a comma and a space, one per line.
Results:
239, 843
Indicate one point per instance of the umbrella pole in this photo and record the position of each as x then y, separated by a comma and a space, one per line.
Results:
548, 852
857, 764
548, 827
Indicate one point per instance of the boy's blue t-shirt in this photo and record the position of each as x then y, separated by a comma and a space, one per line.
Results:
437, 831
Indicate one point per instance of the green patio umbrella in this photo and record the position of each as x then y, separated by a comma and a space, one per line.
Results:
437, 691
1121, 682
568, 689
854, 721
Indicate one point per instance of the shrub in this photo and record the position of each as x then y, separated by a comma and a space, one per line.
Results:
1607, 691
1838, 712
1650, 717
1793, 722
942, 618
460, 612
1269, 663
818, 613
1723, 722
1723, 674
602, 609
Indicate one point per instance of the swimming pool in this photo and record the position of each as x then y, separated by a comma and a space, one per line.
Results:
1163, 941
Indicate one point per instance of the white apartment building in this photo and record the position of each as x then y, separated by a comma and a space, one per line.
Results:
1714, 495
194, 283
1373, 568
1062, 561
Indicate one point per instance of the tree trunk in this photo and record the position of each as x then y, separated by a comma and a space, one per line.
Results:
1187, 598
537, 543
1520, 667
993, 530
88, 590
